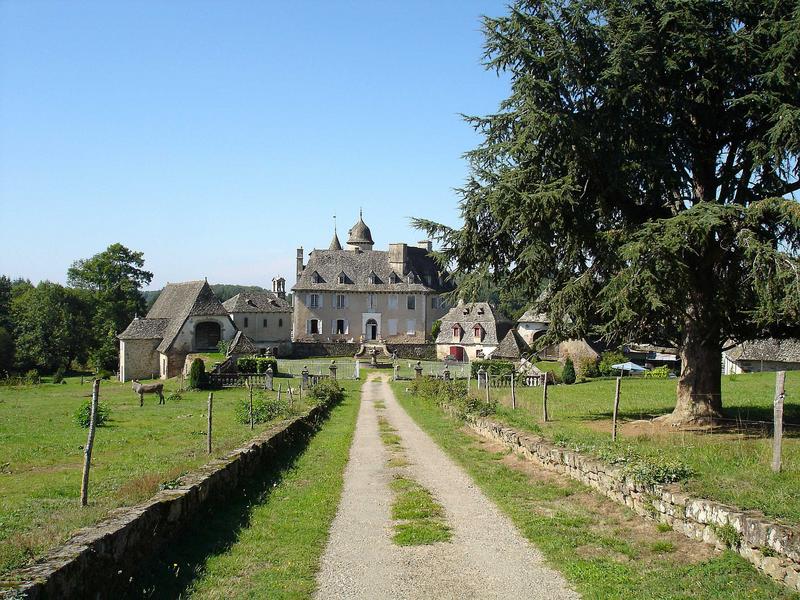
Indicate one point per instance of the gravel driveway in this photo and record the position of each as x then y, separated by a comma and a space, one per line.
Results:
487, 557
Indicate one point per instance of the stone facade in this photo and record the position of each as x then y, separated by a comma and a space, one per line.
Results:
359, 294
772, 547
471, 330
264, 317
138, 359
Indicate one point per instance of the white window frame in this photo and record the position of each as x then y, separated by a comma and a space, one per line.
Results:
393, 302
341, 301
315, 301
372, 301
392, 326
411, 326
411, 302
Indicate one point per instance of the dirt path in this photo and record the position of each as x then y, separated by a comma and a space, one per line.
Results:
487, 557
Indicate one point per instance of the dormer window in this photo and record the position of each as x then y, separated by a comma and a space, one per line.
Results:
457, 332
372, 278
478, 332
480, 310
315, 278
394, 277
411, 277
342, 277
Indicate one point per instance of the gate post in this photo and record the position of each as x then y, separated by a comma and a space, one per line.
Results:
304, 380
268, 382
418, 369
332, 369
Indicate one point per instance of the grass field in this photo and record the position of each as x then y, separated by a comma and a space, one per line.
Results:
267, 542
603, 549
138, 450
731, 464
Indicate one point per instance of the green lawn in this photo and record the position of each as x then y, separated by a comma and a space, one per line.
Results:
603, 549
41, 456
732, 464
267, 542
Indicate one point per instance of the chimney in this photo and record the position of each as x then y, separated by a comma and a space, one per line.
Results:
300, 265
425, 244
279, 287
398, 258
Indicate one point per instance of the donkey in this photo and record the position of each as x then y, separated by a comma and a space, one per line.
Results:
149, 388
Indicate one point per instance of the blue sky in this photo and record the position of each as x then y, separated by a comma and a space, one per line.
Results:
217, 137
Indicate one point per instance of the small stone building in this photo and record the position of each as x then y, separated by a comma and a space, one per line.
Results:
513, 347
186, 317
264, 317
471, 330
762, 355
532, 325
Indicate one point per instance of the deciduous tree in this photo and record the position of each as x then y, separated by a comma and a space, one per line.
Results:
643, 166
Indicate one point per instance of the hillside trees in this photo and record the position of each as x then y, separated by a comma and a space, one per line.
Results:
642, 167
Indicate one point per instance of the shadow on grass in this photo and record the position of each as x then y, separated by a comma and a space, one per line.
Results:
170, 572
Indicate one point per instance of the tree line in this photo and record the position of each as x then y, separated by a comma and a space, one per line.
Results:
50, 327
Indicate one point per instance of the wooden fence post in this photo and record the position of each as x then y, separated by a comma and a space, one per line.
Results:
487, 387
513, 393
250, 387
87, 451
616, 409
208, 432
291, 396
780, 380
544, 399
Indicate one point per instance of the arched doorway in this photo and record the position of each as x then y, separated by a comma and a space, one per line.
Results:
207, 335
372, 329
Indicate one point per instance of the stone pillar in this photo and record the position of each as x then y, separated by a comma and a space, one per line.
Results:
446, 373
358, 369
304, 380
396, 368
268, 383
418, 369
333, 369
483, 379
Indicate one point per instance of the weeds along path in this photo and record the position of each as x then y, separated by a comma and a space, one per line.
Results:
486, 556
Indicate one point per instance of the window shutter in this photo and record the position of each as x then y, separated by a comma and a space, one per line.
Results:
347, 327
308, 326
319, 325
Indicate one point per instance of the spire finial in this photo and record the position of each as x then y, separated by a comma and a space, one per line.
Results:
360, 213
334, 223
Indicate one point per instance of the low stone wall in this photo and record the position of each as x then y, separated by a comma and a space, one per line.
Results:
104, 556
772, 547
412, 351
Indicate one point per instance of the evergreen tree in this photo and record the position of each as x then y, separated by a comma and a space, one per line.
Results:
568, 372
643, 167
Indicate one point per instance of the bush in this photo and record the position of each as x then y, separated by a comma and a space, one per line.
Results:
587, 367
197, 374
104, 374
32, 377
265, 409
652, 471
327, 391
608, 359
175, 397
222, 347
452, 394
436, 326
264, 362
58, 376
657, 373
84, 413
568, 374
493, 367
246, 364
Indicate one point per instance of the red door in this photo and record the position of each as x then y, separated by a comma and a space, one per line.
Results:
457, 352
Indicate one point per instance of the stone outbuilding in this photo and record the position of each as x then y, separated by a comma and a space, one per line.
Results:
513, 347
762, 355
264, 317
241, 346
471, 330
186, 317
532, 325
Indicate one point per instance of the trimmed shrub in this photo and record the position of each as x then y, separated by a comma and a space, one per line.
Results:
493, 367
263, 362
58, 376
587, 367
568, 374
32, 377
246, 364
657, 373
265, 409
197, 374
327, 391
84, 413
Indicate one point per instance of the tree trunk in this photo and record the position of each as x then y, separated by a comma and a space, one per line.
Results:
699, 397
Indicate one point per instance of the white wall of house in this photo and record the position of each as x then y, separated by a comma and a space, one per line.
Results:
185, 341
265, 328
138, 359
529, 329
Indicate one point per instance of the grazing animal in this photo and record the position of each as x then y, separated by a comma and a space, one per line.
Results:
149, 388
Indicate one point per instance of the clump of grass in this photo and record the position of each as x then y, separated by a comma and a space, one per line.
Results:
399, 460
728, 535
662, 547
420, 519
664, 527
379, 404
388, 434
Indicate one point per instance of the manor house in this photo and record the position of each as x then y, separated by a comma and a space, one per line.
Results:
357, 294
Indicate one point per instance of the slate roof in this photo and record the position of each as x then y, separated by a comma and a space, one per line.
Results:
179, 301
467, 315
357, 266
257, 302
335, 244
241, 344
144, 329
531, 316
769, 349
512, 346
360, 233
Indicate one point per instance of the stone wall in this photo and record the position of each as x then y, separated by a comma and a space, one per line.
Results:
412, 351
104, 556
138, 359
772, 547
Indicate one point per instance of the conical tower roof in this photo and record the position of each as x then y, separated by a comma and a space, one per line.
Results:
335, 245
360, 233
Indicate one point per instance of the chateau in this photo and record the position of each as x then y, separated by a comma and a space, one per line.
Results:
358, 294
